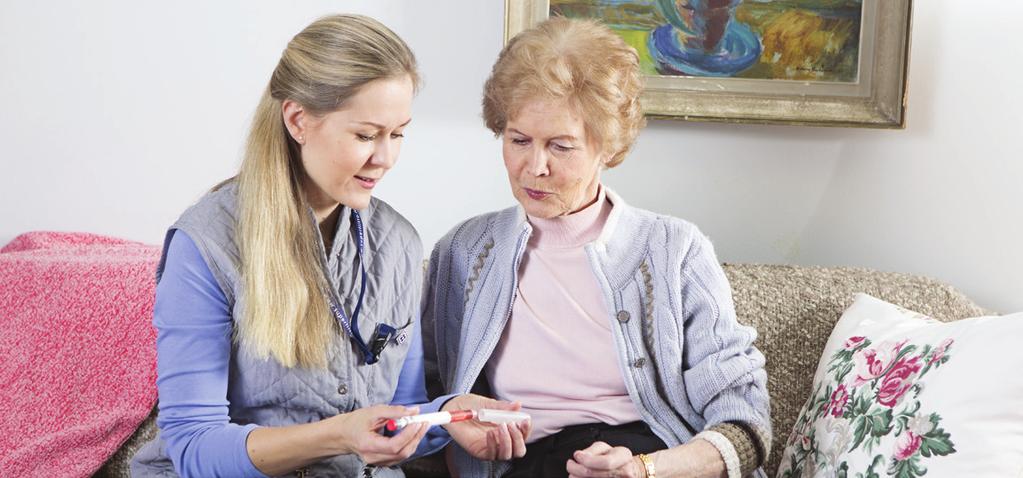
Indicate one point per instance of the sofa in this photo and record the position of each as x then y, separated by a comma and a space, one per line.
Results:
794, 310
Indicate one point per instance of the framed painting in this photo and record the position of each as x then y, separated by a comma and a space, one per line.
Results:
808, 62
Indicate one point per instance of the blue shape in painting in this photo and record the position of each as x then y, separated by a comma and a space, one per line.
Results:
702, 38
739, 49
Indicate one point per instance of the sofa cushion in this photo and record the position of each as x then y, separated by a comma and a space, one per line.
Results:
898, 393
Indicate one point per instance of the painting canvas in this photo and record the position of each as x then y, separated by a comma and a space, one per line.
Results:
765, 39
819, 62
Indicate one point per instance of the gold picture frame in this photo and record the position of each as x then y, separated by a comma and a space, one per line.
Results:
876, 98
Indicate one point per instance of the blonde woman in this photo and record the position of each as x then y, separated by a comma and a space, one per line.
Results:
613, 326
288, 297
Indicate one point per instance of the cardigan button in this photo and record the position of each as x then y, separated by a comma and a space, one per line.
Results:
639, 363
623, 316
342, 389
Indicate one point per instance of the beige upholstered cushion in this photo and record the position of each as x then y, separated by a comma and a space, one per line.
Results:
795, 308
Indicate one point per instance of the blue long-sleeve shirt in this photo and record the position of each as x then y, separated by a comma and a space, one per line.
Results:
194, 325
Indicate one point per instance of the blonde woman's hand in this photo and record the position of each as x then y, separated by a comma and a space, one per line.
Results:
488, 441
601, 460
359, 433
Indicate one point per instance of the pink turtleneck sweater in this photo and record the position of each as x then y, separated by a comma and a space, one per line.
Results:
556, 354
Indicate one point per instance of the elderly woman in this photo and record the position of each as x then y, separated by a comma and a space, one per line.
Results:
613, 326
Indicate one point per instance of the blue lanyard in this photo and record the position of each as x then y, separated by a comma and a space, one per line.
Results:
353, 327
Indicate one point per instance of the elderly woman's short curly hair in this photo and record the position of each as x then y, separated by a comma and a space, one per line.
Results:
582, 61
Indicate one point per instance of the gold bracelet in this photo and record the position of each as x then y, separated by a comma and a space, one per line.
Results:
648, 464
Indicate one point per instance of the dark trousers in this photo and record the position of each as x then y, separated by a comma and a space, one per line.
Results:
546, 457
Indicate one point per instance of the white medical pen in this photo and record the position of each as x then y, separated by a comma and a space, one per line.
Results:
443, 418
500, 416
436, 418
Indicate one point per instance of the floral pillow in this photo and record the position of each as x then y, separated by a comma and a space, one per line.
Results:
898, 394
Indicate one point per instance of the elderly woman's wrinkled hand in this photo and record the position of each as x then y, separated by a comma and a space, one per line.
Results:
601, 460
488, 441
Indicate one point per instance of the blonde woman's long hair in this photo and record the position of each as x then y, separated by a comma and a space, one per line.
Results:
285, 313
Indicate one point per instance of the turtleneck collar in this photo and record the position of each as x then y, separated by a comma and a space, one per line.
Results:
574, 230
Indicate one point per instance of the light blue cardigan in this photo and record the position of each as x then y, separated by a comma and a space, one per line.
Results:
687, 363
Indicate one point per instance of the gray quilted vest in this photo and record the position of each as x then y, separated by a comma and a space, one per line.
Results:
265, 393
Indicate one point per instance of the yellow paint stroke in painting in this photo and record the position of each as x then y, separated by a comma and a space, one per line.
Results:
801, 45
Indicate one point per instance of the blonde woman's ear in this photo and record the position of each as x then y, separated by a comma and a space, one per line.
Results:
294, 119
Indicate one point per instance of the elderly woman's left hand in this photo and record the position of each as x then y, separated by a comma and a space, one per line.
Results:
601, 460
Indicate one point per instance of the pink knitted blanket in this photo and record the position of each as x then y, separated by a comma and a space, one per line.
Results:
77, 350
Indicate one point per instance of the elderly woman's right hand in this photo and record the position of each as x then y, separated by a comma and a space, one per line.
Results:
359, 433
488, 441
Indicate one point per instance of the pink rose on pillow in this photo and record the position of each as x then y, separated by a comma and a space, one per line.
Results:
939, 352
906, 445
805, 442
897, 381
870, 363
838, 400
853, 342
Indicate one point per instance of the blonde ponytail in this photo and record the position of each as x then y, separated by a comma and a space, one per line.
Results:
285, 313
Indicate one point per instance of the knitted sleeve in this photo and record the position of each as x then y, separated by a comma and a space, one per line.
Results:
742, 448
723, 371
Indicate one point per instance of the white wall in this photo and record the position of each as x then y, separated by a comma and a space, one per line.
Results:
118, 114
